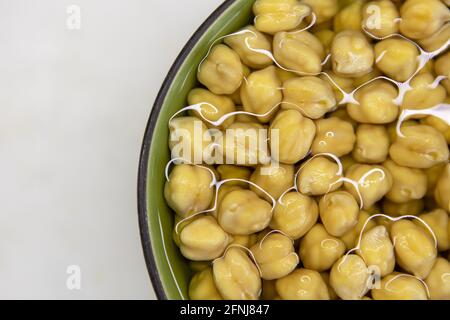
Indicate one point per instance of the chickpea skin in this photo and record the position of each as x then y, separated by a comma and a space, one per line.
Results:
339, 212
295, 136
351, 54
275, 256
319, 250
295, 214
333, 135
372, 144
302, 284
222, 71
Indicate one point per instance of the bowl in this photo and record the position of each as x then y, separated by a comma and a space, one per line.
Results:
169, 271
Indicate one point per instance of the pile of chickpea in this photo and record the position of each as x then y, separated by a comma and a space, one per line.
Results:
357, 208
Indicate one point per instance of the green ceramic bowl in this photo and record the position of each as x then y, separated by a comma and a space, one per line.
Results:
168, 270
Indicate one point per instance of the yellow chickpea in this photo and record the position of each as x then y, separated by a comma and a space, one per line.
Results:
261, 93
319, 176
438, 281
422, 18
274, 180
319, 250
351, 54
189, 189
323, 9
295, 214
326, 278
374, 182
202, 286
397, 58
363, 80
433, 175
212, 107
442, 192
244, 144
423, 94
400, 286
223, 191
375, 103
372, 144
438, 221
350, 17
273, 16
246, 41
341, 113
380, 18
198, 266
295, 136
326, 38
351, 237
203, 239
302, 284
437, 40
420, 147
442, 67
349, 277
415, 249
222, 71
377, 250
333, 135
340, 83
300, 52
245, 241
228, 171
284, 75
408, 183
242, 212
395, 209
189, 139
439, 124
339, 212
236, 277
312, 96
275, 256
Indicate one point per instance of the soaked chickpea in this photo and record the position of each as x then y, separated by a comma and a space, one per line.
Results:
299, 52
212, 107
302, 284
422, 18
236, 277
319, 250
274, 180
333, 135
395, 209
246, 41
339, 212
228, 171
438, 221
244, 241
326, 278
202, 286
387, 14
408, 183
323, 9
351, 237
375, 103
433, 175
339, 83
372, 144
275, 256
400, 286
295, 214
397, 58
326, 38
222, 71
350, 17
439, 124
242, 212
437, 40
295, 136
373, 181
351, 54
312, 96
424, 93
319, 176
261, 93
442, 67
415, 249
189, 189
273, 16
438, 281
377, 250
442, 192
421, 146
349, 277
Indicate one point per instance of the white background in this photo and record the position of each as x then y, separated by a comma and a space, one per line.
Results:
73, 108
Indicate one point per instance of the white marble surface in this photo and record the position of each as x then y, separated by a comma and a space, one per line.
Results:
73, 108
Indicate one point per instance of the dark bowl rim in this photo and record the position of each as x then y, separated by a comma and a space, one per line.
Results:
146, 145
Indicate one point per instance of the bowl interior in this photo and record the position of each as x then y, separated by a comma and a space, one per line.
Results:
168, 269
